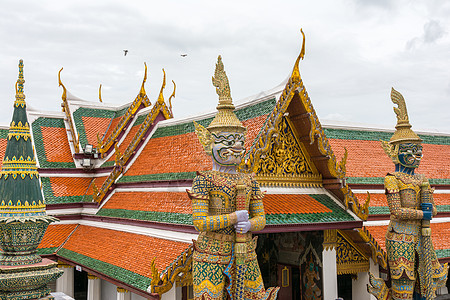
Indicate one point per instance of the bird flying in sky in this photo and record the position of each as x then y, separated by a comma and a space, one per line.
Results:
125, 52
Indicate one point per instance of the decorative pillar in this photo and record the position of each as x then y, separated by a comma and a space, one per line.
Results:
94, 288
330, 287
123, 294
64, 283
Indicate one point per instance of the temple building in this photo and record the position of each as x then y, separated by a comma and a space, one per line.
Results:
116, 178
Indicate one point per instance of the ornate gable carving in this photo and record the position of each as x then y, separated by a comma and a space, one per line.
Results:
287, 163
349, 259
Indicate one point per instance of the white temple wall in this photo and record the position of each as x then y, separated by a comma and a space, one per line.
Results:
330, 287
109, 290
359, 286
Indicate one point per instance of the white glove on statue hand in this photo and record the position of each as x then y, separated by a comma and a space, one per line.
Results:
242, 215
243, 227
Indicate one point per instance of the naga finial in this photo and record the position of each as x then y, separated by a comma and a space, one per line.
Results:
172, 96
142, 92
296, 73
100, 93
64, 95
161, 95
220, 81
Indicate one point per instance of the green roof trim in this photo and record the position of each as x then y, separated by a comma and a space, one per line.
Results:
4, 133
50, 198
138, 281
338, 214
163, 217
362, 135
384, 210
243, 114
39, 142
158, 177
380, 180
443, 253
46, 251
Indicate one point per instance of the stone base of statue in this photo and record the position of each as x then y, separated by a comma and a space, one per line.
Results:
28, 281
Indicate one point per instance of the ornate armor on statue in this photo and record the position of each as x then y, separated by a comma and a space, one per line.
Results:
413, 264
226, 207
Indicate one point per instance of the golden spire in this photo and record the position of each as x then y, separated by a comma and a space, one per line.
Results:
20, 96
403, 133
225, 119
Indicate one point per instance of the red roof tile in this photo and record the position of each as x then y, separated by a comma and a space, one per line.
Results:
133, 252
182, 153
292, 204
70, 186
380, 199
440, 233
56, 145
56, 234
3, 143
171, 154
111, 127
124, 144
151, 201
375, 199
367, 159
94, 126
253, 128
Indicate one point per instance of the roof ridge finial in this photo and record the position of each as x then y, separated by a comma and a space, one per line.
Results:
161, 95
142, 91
20, 96
296, 73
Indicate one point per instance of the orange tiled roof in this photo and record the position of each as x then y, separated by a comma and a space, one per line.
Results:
133, 252
380, 199
111, 127
253, 127
171, 154
71, 186
440, 233
182, 153
94, 126
375, 199
56, 145
173, 202
56, 234
3, 143
293, 204
124, 145
367, 159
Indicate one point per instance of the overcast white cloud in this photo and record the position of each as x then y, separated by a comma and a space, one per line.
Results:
355, 52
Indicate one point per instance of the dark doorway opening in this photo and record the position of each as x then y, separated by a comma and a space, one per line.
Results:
345, 286
80, 286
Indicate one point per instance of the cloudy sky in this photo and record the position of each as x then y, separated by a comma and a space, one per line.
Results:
356, 50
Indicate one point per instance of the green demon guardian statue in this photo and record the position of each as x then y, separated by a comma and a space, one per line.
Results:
414, 268
227, 206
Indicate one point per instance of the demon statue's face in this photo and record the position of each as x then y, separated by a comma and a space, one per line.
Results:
409, 155
228, 148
